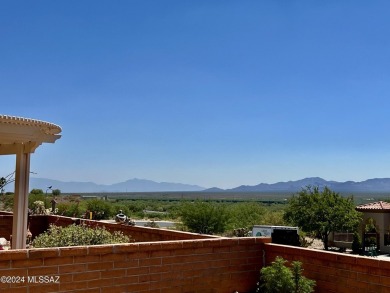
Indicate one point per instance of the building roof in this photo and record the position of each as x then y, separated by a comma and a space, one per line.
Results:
378, 206
29, 132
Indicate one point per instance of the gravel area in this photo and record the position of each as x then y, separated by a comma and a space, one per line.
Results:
317, 243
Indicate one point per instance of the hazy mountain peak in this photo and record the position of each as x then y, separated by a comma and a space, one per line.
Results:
131, 185
144, 185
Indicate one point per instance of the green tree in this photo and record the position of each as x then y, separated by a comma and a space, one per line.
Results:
322, 212
278, 278
245, 215
56, 192
356, 243
273, 217
100, 209
69, 209
204, 217
36, 191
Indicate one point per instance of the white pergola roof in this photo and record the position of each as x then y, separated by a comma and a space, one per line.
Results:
30, 132
21, 136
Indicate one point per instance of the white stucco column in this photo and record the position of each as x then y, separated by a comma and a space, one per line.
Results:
22, 136
22, 175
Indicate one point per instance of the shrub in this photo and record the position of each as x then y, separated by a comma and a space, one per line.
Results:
75, 235
8, 201
356, 243
101, 209
33, 197
245, 215
204, 217
36, 191
38, 208
277, 278
69, 209
273, 217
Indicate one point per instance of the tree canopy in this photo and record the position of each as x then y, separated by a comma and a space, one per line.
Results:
204, 217
322, 212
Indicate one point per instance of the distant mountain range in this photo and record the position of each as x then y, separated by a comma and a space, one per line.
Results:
143, 185
370, 185
132, 185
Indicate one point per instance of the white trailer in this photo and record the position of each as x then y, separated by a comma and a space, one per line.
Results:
267, 230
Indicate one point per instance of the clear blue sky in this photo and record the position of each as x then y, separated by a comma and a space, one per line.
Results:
214, 93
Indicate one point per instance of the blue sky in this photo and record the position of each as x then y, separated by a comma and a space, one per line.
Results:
214, 93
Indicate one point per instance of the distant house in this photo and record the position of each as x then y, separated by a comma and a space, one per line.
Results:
376, 223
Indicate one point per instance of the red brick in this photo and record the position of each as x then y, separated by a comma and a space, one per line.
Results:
16, 290
15, 272
71, 286
161, 253
367, 261
5, 264
124, 248
347, 274
27, 263
39, 271
346, 259
263, 240
43, 253
114, 289
99, 266
150, 262
85, 276
113, 274
200, 250
73, 251
86, 259
99, 283
136, 287
113, 257
172, 245
66, 278
385, 281
100, 249
126, 264
44, 288
13, 254
58, 261
72, 268
377, 288
140, 271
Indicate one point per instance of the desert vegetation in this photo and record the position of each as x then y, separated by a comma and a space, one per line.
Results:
280, 278
200, 215
75, 235
316, 212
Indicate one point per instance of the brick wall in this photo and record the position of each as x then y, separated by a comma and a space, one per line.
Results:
204, 265
189, 264
5, 213
38, 224
5, 226
337, 272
